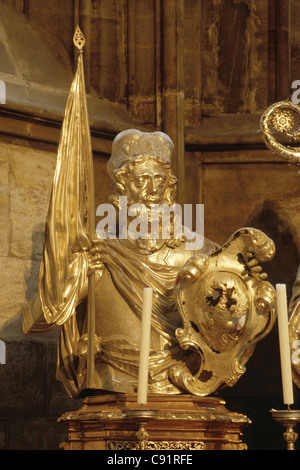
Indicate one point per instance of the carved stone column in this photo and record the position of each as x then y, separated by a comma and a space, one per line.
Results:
173, 84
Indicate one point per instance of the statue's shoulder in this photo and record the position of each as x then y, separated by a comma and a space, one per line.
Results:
180, 253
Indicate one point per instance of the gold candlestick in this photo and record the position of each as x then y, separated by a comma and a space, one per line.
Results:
289, 418
141, 416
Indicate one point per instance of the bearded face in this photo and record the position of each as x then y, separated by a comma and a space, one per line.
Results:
147, 180
146, 184
150, 183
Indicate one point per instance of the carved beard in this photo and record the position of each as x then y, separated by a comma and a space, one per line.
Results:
157, 235
156, 242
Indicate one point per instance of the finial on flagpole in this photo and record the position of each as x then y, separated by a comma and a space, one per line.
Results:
78, 39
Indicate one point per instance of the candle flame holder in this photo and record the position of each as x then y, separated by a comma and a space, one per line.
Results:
141, 416
289, 419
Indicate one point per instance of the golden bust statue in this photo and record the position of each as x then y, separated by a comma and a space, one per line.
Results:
225, 291
211, 304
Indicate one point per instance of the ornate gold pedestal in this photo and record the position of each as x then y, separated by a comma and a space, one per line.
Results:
167, 422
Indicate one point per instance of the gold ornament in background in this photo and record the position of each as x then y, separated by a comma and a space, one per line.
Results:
282, 116
282, 120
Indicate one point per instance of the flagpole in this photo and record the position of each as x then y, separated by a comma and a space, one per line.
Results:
91, 332
79, 42
91, 289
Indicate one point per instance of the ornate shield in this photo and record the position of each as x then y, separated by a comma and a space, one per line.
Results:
226, 306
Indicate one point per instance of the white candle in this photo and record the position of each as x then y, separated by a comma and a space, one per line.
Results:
284, 342
145, 346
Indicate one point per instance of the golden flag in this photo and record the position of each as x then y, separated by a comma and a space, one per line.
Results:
70, 225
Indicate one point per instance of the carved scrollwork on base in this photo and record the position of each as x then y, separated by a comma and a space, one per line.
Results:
155, 445
226, 306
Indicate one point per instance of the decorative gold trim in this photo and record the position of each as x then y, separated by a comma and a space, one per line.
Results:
112, 416
78, 39
155, 445
282, 120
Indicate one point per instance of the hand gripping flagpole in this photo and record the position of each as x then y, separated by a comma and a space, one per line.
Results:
79, 42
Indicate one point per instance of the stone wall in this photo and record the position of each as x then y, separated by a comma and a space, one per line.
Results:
31, 399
